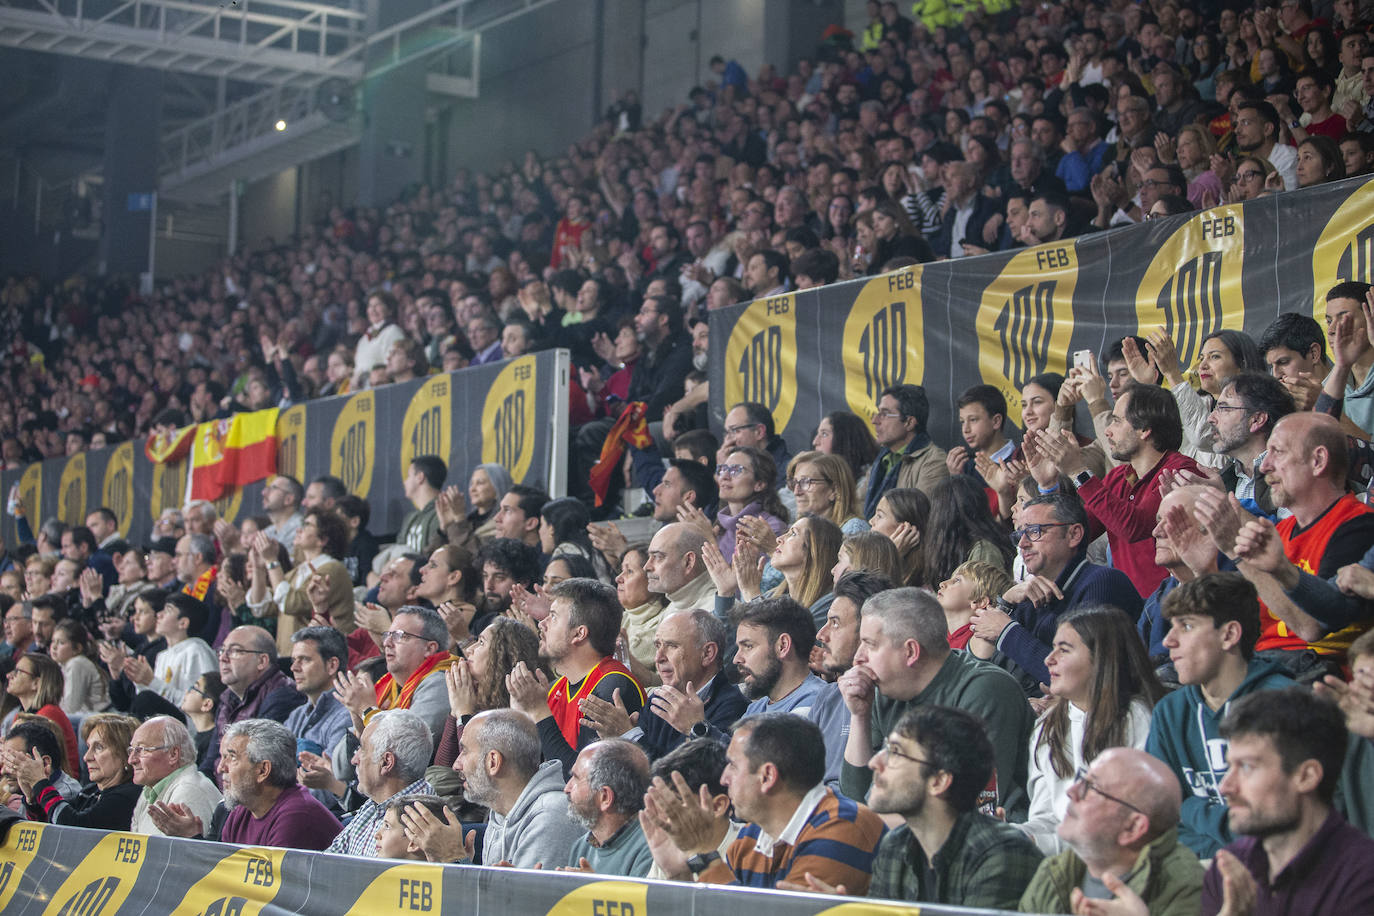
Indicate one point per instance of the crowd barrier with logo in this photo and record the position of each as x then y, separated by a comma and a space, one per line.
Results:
1002, 318
513, 413
69, 871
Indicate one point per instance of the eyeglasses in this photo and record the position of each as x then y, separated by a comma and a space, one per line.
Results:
889, 414
1250, 175
1230, 407
736, 429
24, 672
232, 652
805, 483
891, 749
730, 471
138, 750
1080, 778
1035, 532
398, 635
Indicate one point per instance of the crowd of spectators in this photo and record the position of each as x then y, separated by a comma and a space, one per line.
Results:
1043, 668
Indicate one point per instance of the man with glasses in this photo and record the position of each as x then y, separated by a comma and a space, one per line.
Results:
930, 772
908, 458
1052, 539
1245, 413
417, 657
162, 755
1121, 827
255, 687
18, 632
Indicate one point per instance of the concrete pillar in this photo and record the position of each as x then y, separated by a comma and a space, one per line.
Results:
392, 150
132, 135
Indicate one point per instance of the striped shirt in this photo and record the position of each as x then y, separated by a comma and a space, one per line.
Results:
833, 837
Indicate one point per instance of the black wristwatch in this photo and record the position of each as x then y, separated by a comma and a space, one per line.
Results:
700, 730
1082, 477
701, 861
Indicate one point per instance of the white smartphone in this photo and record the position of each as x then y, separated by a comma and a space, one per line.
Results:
1083, 359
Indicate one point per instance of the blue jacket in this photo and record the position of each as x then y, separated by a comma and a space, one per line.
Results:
724, 706
1026, 640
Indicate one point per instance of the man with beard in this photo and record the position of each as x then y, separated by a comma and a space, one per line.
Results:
393, 751
1247, 409
838, 640
1144, 434
529, 826
1121, 830
263, 804
936, 762
605, 794
695, 699
1296, 854
578, 638
504, 563
773, 640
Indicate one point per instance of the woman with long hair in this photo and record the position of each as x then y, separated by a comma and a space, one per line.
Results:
107, 802
477, 680
805, 555
824, 485
896, 237
902, 515
1222, 355
1319, 161
320, 541
563, 530
85, 685
961, 529
449, 581
748, 481
35, 686
869, 552
847, 435
1102, 695
643, 613
1251, 179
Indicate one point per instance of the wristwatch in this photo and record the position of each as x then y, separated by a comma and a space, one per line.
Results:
701, 861
1082, 477
273, 564
700, 730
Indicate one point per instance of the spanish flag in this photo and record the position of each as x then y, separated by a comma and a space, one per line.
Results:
169, 447
232, 452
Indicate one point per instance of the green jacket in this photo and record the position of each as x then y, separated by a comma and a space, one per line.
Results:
1166, 875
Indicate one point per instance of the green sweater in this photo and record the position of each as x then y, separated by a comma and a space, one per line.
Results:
978, 687
1166, 875
625, 854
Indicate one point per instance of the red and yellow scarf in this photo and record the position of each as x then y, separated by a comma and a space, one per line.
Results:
201, 587
393, 696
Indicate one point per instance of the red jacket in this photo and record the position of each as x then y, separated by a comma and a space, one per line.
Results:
1125, 508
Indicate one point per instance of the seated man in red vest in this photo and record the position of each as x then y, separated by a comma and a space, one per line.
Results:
578, 638
1305, 467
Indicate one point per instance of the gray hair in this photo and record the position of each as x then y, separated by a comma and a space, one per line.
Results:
710, 628
512, 735
175, 734
260, 640
910, 613
207, 508
407, 737
623, 767
270, 741
202, 546
432, 626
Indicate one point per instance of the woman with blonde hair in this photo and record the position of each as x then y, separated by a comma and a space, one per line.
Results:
902, 515
868, 552
824, 485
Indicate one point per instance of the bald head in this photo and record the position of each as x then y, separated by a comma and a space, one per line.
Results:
1147, 783
1321, 431
674, 558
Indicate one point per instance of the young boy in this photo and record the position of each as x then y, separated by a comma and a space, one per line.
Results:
1213, 625
201, 704
392, 842
971, 587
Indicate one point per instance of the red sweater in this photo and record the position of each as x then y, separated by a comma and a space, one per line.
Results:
1125, 508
